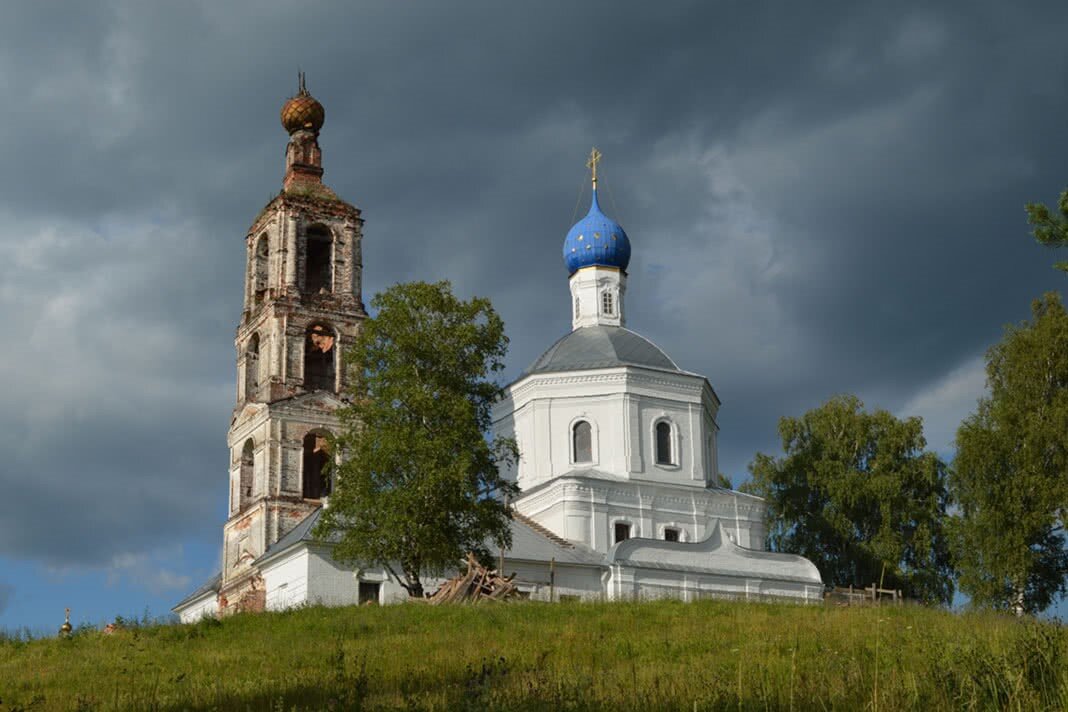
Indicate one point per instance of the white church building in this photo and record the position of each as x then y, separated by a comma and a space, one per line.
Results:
618, 445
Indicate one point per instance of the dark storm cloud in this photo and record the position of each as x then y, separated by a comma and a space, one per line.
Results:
819, 202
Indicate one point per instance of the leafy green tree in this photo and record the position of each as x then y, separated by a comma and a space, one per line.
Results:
418, 482
1049, 229
1010, 475
857, 495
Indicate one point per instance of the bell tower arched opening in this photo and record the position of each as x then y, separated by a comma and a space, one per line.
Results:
320, 352
261, 254
318, 260
252, 368
248, 463
316, 473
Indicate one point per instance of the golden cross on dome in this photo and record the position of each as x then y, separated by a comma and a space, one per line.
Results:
595, 158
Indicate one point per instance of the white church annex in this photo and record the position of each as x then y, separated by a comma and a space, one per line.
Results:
618, 445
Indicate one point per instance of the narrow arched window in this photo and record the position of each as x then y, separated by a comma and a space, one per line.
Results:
607, 305
319, 357
664, 456
582, 442
576, 307
316, 473
252, 368
244, 485
259, 269
318, 260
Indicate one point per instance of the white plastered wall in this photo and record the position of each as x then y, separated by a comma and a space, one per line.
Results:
629, 583
204, 607
285, 579
307, 574
535, 578
622, 405
329, 583
588, 287
586, 510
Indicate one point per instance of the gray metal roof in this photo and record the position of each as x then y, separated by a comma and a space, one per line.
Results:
530, 541
715, 554
304, 531
533, 542
209, 586
601, 347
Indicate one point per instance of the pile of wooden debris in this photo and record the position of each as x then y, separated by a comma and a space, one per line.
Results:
478, 584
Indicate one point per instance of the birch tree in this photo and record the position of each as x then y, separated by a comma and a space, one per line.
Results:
418, 485
1010, 475
857, 494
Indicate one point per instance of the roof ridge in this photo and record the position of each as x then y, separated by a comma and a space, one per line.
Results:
655, 345
540, 529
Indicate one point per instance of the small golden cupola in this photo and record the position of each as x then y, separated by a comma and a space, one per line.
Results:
66, 629
302, 111
302, 117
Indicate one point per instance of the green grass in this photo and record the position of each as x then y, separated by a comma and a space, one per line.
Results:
657, 655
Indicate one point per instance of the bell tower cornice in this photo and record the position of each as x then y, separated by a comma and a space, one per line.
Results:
304, 202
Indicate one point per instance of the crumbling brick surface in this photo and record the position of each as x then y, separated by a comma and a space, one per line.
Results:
246, 595
302, 309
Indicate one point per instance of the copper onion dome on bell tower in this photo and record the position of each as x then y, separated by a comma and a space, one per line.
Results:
302, 111
302, 117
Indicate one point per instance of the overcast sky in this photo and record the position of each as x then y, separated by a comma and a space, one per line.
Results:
819, 202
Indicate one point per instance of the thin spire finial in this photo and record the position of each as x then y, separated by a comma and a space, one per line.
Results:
595, 158
301, 89
66, 628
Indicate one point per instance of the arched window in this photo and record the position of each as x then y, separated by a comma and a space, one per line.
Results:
664, 454
582, 442
318, 260
316, 472
252, 368
607, 306
248, 462
259, 273
319, 355
576, 307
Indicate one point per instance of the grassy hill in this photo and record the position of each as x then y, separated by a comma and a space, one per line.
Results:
656, 655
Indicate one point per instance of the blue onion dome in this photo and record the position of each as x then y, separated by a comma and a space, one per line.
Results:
596, 240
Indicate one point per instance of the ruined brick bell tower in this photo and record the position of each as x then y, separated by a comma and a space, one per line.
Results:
302, 309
